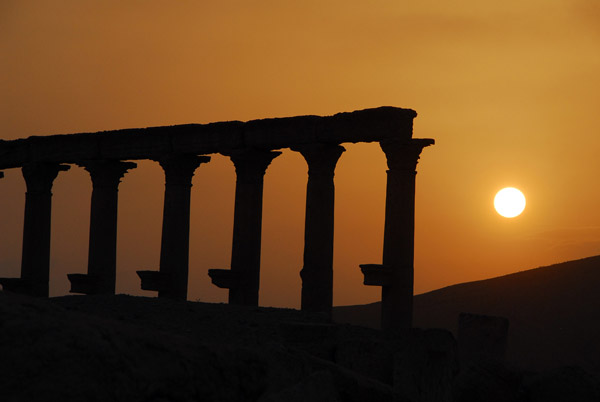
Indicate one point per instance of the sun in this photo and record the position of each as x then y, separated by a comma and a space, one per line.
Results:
509, 202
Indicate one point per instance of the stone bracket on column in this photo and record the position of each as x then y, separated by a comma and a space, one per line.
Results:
83, 283
154, 280
376, 274
224, 278
16, 285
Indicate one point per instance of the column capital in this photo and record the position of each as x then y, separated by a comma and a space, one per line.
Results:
251, 163
179, 168
106, 172
404, 156
40, 176
321, 158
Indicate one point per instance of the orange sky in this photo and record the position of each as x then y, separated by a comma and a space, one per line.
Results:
510, 91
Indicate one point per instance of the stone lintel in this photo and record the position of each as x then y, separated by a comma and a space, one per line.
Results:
83, 283
154, 280
404, 156
106, 172
376, 124
224, 278
376, 274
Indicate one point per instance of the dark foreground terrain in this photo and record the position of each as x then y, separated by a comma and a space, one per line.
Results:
124, 348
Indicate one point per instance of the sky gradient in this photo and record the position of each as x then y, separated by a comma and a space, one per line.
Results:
509, 90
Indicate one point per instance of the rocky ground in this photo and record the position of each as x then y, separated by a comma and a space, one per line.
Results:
124, 348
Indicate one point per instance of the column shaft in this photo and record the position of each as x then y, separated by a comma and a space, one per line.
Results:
398, 243
175, 243
398, 249
102, 257
250, 167
35, 263
317, 272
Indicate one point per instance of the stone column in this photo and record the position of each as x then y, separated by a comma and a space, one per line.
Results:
397, 272
243, 280
102, 259
171, 281
317, 272
35, 263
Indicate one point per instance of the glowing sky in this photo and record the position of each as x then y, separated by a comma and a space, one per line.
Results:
510, 91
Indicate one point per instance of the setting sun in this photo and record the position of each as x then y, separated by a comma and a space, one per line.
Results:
509, 202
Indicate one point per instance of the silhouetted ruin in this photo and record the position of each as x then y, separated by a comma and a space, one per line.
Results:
482, 337
251, 146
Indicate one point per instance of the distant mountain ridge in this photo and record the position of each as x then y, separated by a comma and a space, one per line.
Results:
554, 312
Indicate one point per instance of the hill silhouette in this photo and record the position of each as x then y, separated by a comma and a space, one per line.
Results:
554, 312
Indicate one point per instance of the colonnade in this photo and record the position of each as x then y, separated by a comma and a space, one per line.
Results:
394, 275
